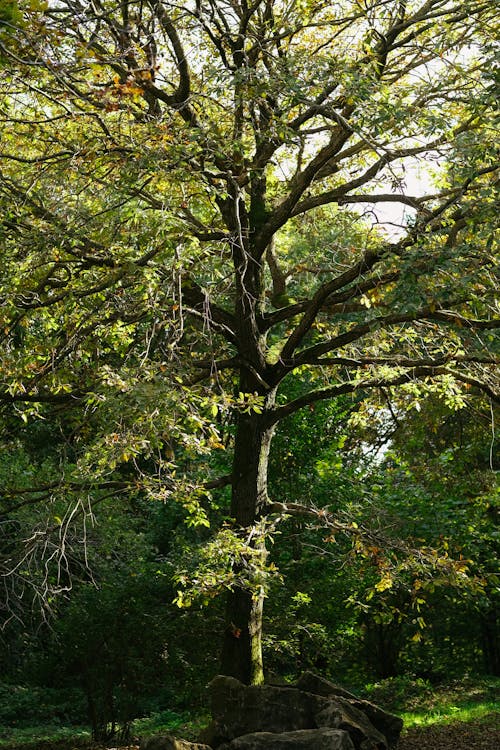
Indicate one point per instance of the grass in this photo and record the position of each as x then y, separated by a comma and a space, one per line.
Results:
14, 736
183, 725
180, 724
449, 714
421, 704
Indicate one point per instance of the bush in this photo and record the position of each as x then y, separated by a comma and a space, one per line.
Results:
397, 693
22, 705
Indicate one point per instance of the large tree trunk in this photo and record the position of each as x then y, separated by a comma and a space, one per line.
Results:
242, 649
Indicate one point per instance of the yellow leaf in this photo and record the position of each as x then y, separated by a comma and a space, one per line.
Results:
384, 583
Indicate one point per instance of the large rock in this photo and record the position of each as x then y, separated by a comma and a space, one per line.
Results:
340, 714
239, 709
168, 742
386, 723
302, 739
313, 683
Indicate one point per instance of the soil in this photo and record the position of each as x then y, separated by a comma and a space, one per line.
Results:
481, 735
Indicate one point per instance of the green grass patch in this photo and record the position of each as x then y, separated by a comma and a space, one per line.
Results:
180, 724
163, 721
466, 713
414, 695
421, 704
13, 736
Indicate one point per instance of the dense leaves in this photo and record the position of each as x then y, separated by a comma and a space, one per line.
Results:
194, 250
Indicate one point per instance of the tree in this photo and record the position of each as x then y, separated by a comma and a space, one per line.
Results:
178, 244
457, 466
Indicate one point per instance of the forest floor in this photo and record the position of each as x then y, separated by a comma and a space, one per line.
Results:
483, 734
461, 735
461, 715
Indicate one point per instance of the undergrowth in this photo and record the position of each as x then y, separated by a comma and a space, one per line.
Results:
419, 703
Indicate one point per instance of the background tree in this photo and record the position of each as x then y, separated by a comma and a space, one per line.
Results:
155, 160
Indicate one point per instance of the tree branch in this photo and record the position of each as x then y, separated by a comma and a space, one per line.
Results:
338, 194
312, 354
201, 305
334, 303
180, 97
369, 259
417, 372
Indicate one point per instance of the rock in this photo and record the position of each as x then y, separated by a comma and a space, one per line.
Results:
313, 683
312, 704
209, 735
340, 714
168, 742
275, 679
239, 709
302, 739
388, 724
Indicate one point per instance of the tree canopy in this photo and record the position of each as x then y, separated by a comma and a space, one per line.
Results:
190, 219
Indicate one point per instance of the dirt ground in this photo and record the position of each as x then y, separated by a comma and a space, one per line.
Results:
484, 735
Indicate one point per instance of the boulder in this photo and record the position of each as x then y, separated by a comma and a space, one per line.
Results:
386, 723
168, 742
302, 739
210, 735
239, 709
313, 703
313, 683
340, 714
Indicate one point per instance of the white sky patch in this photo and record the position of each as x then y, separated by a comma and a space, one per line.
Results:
393, 217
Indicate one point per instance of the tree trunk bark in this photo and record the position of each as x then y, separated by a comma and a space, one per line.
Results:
242, 647
490, 640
